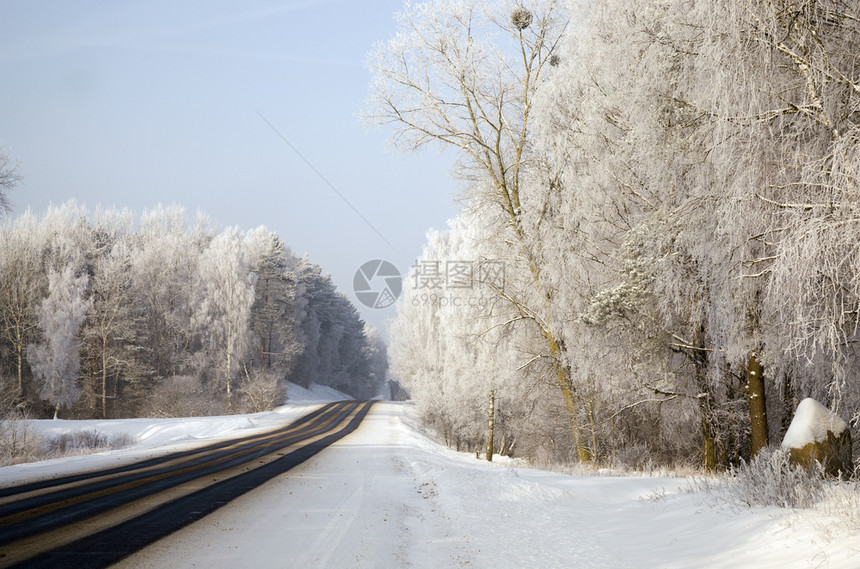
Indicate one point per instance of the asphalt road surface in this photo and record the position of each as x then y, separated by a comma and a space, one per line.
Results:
96, 518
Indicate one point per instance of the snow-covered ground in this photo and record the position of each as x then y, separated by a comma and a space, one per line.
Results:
387, 496
159, 436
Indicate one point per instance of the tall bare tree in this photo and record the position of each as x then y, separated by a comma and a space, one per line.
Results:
466, 75
21, 288
10, 175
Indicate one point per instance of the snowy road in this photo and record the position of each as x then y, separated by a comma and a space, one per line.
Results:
387, 497
359, 504
95, 518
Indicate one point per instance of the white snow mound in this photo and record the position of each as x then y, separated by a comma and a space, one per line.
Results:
811, 422
314, 393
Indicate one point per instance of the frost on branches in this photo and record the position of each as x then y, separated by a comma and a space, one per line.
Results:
104, 315
675, 195
56, 361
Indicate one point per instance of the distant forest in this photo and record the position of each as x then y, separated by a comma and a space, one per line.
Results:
105, 315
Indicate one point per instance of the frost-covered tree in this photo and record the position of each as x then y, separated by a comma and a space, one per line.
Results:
316, 291
376, 355
167, 300
30, 247
68, 236
277, 306
335, 347
56, 360
685, 166
165, 276
637, 172
467, 75
21, 288
811, 103
474, 377
678, 225
111, 319
225, 311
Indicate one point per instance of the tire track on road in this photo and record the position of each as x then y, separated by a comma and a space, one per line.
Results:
117, 513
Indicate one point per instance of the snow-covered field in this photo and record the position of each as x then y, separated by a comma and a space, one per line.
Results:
387, 496
160, 436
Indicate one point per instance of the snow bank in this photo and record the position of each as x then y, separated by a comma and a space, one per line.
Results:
314, 392
811, 422
159, 436
157, 432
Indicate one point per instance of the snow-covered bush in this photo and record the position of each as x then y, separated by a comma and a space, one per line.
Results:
633, 457
183, 396
261, 391
84, 441
770, 479
19, 440
841, 501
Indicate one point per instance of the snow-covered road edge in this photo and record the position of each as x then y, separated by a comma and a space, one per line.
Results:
390, 493
157, 437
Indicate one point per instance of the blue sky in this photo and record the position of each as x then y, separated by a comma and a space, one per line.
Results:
131, 104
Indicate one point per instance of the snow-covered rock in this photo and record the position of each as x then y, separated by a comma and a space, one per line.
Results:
818, 434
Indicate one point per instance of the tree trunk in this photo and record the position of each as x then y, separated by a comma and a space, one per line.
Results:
20, 353
508, 446
566, 386
104, 385
758, 405
262, 352
491, 417
709, 443
228, 378
104, 377
789, 404
269, 349
592, 424
707, 402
